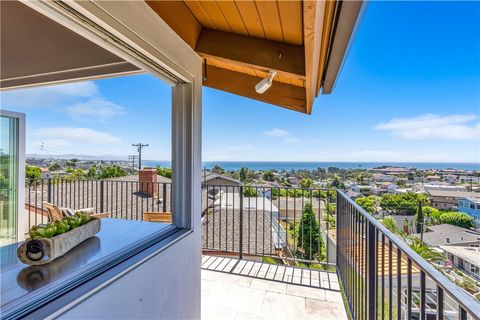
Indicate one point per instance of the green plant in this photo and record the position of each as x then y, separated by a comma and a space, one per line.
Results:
59, 226
368, 203
390, 223
249, 191
425, 251
270, 260
164, 172
309, 240
467, 284
459, 219
33, 173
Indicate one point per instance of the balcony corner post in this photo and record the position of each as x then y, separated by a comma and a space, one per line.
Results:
371, 271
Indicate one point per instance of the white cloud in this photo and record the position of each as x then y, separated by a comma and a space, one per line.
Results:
68, 136
284, 135
98, 108
278, 133
433, 126
48, 96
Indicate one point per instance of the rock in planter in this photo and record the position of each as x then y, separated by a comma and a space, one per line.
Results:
41, 251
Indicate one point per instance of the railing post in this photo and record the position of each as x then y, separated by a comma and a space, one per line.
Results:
49, 190
371, 278
240, 249
101, 195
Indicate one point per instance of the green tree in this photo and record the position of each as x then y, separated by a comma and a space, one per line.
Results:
243, 173
425, 251
218, 170
268, 176
368, 203
33, 173
401, 183
75, 174
72, 163
54, 166
111, 172
309, 239
164, 172
432, 214
306, 183
402, 203
92, 171
337, 183
459, 219
419, 221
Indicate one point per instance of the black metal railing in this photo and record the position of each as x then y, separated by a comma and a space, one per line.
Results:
289, 224
122, 199
245, 221
384, 278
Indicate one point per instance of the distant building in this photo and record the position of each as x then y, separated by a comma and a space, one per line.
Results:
433, 178
471, 206
446, 199
384, 178
221, 181
393, 170
444, 187
450, 178
45, 173
449, 235
465, 258
464, 179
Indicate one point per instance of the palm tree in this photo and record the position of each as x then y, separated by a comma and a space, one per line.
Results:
425, 251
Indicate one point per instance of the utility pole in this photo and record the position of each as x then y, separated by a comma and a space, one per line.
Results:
139, 146
134, 159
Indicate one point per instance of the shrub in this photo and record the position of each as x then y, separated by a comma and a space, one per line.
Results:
249, 191
459, 219
309, 239
390, 223
164, 172
33, 173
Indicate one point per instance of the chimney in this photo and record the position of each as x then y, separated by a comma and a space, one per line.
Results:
147, 179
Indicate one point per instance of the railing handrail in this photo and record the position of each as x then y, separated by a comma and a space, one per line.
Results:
461, 297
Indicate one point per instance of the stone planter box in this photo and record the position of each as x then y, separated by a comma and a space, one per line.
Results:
44, 250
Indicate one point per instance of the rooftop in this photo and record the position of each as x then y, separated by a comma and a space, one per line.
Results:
469, 254
452, 193
438, 235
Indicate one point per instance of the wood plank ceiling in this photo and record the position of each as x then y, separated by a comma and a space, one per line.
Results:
242, 40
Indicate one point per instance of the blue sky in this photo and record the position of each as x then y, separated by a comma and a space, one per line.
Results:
408, 91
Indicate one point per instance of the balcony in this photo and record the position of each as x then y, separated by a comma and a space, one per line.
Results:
257, 261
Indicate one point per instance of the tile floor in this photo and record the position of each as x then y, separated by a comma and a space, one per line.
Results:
261, 293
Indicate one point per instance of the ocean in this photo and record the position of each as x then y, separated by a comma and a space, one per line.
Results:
279, 166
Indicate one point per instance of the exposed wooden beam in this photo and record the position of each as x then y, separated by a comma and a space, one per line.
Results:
313, 14
326, 36
177, 15
281, 94
286, 59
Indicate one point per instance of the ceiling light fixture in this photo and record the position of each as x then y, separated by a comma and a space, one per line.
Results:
266, 83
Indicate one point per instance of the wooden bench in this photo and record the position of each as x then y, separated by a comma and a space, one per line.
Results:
164, 217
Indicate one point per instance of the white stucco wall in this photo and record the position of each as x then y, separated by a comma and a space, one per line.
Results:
165, 287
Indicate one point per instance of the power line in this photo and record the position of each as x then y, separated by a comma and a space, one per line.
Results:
139, 146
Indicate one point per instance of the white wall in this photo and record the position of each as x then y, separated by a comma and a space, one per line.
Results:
165, 287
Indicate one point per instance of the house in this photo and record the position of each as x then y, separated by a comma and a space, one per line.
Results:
449, 235
450, 178
464, 179
45, 173
218, 180
465, 258
471, 206
443, 187
433, 178
446, 199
